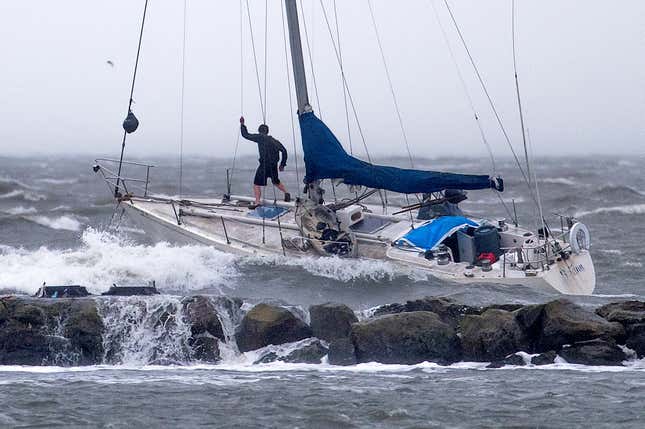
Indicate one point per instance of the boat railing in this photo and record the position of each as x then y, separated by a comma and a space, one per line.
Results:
134, 178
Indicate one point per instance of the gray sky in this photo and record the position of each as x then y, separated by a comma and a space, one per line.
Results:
581, 68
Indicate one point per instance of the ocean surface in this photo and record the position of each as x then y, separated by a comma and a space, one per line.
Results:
55, 217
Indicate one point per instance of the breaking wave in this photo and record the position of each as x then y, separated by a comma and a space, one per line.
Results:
627, 210
569, 181
21, 194
19, 210
49, 181
68, 223
103, 259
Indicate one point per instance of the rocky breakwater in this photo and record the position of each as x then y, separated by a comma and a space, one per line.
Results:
183, 330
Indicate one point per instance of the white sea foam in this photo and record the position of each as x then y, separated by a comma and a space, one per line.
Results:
103, 259
632, 264
49, 181
67, 222
19, 210
569, 181
627, 209
344, 270
22, 194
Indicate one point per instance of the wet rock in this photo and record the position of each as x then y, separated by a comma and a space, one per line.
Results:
202, 316
205, 348
491, 336
546, 358
29, 315
84, 328
448, 310
514, 359
267, 324
330, 321
552, 325
636, 339
267, 358
311, 353
593, 352
626, 313
48, 331
342, 352
505, 307
406, 338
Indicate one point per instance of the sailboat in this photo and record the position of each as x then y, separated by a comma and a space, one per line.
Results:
449, 245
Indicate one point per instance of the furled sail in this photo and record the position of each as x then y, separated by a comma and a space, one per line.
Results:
325, 158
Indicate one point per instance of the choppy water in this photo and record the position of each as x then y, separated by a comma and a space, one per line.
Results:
53, 214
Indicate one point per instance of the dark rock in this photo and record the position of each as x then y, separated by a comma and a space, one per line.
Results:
205, 348
23, 346
514, 359
627, 312
202, 316
491, 336
406, 338
552, 325
84, 328
546, 358
636, 339
330, 321
267, 324
342, 352
593, 352
505, 307
267, 358
311, 353
29, 315
4, 313
447, 309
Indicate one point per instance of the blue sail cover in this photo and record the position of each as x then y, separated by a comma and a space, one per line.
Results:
325, 158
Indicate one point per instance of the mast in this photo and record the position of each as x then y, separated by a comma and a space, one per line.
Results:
297, 58
313, 189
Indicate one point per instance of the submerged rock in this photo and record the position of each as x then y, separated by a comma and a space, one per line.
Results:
514, 360
492, 336
267, 324
330, 321
205, 349
311, 353
636, 339
546, 358
406, 338
593, 352
342, 352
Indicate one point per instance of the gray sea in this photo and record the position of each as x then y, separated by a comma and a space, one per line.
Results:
54, 227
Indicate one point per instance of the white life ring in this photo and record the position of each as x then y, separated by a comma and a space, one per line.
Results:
579, 237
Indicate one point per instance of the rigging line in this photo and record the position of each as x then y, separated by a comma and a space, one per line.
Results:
517, 90
349, 94
183, 86
311, 61
134, 79
464, 87
266, 33
340, 58
291, 111
488, 97
389, 81
255, 61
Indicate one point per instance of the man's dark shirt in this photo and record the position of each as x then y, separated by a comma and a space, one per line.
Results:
268, 147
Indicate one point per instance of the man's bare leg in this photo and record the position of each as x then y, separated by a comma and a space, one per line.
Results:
257, 191
287, 195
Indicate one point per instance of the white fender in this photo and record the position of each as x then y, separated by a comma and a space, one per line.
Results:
579, 237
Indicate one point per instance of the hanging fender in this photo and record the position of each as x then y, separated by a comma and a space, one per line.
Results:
130, 123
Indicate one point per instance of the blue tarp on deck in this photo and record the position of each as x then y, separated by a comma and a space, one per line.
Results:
429, 235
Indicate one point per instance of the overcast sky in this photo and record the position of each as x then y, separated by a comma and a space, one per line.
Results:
581, 68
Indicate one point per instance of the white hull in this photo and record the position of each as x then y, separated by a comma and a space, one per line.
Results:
229, 228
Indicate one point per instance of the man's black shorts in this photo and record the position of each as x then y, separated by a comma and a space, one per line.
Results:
265, 172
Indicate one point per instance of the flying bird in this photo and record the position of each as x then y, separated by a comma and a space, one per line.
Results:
110, 63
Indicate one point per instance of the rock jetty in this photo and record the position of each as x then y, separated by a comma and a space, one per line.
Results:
80, 331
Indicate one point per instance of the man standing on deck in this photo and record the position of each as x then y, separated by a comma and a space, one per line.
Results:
269, 150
